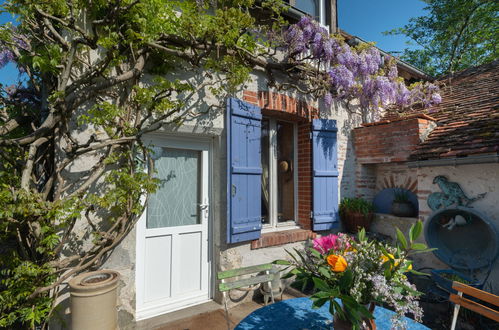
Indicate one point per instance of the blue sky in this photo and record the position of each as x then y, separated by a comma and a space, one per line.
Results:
9, 74
366, 19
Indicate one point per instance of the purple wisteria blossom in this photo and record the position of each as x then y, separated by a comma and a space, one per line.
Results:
363, 74
341, 77
6, 56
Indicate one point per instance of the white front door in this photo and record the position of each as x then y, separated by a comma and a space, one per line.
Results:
173, 269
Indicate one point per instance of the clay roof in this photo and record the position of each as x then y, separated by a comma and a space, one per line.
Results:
468, 117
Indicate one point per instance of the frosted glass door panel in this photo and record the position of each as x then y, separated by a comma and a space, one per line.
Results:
176, 202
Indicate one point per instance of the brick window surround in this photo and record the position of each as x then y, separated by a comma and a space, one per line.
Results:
281, 106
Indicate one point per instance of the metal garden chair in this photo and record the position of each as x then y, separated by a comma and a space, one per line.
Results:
228, 283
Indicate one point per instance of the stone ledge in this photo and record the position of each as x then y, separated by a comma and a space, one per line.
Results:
282, 237
385, 224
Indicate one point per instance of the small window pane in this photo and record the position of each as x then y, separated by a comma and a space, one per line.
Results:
265, 172
285, 172
310, 7
176, 202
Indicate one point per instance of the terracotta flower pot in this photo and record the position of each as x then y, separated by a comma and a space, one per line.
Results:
93, 300
354, 221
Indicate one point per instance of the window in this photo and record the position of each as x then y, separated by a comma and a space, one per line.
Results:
314, 8
278, 144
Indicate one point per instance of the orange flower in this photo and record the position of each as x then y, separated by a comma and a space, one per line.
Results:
338, 263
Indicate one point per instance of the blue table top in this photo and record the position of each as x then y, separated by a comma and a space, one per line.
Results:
297, 314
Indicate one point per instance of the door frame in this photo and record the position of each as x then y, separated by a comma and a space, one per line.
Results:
181, 142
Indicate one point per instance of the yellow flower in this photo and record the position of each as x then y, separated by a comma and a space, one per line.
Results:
385, 258
351, 249
396, 261
338, 263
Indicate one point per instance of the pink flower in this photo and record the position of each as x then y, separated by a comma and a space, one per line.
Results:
325, 243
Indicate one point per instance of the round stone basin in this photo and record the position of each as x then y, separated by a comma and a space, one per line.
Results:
471, 246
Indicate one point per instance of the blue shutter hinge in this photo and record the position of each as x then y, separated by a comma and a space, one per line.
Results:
311, 135
311, 214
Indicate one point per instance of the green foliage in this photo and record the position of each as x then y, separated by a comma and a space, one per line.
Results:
356, 205
26, 216
19, 280
94, 64
455, 35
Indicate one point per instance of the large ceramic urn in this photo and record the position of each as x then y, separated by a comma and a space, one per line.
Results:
93, 300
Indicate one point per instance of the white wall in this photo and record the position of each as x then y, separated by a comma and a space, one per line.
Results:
473, 179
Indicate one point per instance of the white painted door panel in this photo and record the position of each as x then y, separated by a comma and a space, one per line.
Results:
173, 266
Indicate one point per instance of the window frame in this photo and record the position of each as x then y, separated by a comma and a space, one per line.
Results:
323, 9
274, 224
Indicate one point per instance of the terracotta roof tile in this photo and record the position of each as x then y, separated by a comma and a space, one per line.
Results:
468, 117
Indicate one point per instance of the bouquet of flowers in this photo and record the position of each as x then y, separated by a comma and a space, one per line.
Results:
359, 272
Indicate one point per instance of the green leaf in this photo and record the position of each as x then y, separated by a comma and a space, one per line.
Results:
318, 302
321, 294
415, 230
325, 272
362, 235
401, 239
281, 262
419, 246
320, 284
315, 253
424, 251
337, 308
415, 272
346, 279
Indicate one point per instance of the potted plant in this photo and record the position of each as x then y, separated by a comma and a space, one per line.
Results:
355, 275
356, 213
402, 206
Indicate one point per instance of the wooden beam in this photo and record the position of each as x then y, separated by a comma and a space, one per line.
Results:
245, 282
243, 271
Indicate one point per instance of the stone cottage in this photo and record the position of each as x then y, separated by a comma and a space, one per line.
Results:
237, 192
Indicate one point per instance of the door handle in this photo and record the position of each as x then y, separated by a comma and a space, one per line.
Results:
203, 206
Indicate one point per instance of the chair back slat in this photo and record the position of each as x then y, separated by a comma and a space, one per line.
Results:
475, 307
245, 282
459, 300
243, 271
474, 292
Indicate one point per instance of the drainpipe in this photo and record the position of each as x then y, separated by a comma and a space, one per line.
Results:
336, 20
480, 159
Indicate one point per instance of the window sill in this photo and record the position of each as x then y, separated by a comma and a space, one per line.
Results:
282, 237
279, 228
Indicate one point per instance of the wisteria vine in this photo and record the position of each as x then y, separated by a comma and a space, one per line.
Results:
354, 72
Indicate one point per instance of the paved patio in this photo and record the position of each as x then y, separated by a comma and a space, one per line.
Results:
209, 316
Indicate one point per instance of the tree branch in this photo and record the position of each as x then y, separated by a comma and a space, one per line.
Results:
29, 163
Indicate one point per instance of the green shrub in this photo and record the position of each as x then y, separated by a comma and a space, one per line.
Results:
356, 205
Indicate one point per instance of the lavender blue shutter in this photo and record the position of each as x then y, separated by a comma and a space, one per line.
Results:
244, 169
325, 175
